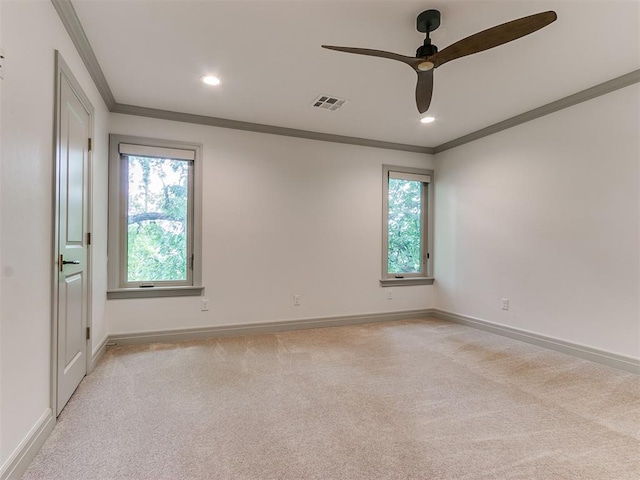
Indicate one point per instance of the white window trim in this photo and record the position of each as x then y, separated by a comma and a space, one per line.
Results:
117, 214
407, 173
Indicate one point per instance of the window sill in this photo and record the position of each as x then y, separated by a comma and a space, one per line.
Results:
154, 292
401, 282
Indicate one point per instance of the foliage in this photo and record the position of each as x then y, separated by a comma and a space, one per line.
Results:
405, 226
157, 219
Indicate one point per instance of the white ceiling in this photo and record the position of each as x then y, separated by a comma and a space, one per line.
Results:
268, 55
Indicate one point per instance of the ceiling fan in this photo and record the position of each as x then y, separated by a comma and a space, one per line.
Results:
428, 57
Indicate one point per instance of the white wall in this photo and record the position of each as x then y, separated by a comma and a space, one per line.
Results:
546, 214
1, 230
282, 216
30, 32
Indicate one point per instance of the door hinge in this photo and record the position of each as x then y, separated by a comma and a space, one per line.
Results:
88, 333
192, 260
88, 238
90, 146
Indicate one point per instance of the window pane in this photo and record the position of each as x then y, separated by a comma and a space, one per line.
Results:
157, 219
405, 226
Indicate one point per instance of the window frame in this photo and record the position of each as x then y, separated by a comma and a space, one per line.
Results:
425, 276
118, 286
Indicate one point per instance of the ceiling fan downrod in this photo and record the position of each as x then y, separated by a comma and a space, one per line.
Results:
427, 21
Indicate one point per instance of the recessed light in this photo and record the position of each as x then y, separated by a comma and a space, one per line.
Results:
427, 119
211, 80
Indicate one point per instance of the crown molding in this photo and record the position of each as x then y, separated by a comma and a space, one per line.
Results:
71, 22
262, 128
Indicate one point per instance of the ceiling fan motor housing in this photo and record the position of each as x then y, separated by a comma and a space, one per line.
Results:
427, 49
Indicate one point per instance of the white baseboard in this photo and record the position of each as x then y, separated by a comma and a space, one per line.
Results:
19, 461
199, 333
614, 360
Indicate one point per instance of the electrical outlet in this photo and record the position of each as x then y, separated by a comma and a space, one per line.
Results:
505, 304
389, 294
296, 300
204, 304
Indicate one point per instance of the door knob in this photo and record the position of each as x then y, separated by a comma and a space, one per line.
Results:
63, 262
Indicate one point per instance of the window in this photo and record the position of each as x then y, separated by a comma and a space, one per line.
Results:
407, 230
153, 218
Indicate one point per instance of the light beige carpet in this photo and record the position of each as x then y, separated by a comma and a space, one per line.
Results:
423, 399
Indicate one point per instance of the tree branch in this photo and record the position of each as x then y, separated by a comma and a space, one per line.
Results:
141, 217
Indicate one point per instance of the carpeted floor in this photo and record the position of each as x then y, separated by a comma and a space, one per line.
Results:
423, 399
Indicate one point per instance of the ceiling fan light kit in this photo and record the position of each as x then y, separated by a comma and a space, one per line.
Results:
428, 58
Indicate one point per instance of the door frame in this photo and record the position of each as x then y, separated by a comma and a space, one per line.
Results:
64, 73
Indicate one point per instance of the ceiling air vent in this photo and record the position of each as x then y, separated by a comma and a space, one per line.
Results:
329, 103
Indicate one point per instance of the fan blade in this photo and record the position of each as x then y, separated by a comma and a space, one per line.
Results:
424, 89
411, 61
493, 37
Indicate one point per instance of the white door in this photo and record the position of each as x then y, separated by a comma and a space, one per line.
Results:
73, 168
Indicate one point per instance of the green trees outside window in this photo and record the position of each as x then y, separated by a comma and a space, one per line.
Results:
157, 219
405, 226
